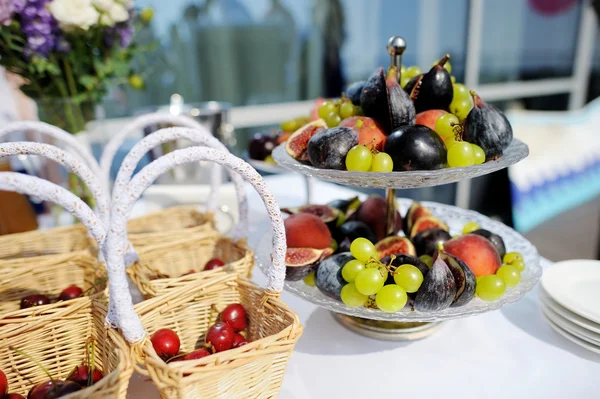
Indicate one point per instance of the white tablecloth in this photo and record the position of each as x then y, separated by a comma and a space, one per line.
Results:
508, 353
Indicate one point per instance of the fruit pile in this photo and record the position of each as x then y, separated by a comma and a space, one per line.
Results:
262, 144
33, 300
82, 376
423, 268
426, 121
227, 333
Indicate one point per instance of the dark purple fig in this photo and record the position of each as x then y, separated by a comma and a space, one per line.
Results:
354, 229
384, 100
426, 242
435, 90
438, 290
487, 127
463, 277
261, 146
415, 212
416, 147
354, 91
329, 275
328, 148
495, 239
346, 207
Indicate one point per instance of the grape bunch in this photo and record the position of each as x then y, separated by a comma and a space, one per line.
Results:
361, 159
335, 111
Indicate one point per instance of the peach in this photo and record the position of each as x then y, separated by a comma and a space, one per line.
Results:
428, 118
369, 131
477, 252
305, 230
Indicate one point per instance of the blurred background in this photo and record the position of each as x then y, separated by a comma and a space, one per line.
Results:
264, 61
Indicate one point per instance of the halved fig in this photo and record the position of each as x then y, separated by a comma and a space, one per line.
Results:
425, 223
346, 207
416, 211
299, 262
464, 278
426, 241
297, 143
395, 245
328, 214
438, 290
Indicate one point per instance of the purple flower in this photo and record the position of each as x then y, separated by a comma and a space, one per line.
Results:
40, 44
126, 35
7, 9
121, 33
63, 45
40, 28
19, 5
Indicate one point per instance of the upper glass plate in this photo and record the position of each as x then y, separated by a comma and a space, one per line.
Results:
267, 167
455, 218
516, 152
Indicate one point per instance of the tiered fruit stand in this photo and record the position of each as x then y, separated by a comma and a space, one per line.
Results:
409, 324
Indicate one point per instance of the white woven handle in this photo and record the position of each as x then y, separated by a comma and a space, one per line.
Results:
128, 320
72, 162
111, 148
31, 185
198, 136
57, 134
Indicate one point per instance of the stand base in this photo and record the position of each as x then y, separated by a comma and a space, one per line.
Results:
387, 330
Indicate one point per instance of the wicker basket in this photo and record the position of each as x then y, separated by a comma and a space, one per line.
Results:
49, 275
254, 370
168, 225
60, 240
56, 337
161, 268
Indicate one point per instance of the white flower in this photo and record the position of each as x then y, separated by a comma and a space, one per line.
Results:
103, 5
74, 13
111, 12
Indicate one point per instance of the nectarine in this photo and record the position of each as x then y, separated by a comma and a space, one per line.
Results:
305, 230
477, 252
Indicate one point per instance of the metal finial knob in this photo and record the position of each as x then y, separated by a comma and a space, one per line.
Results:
396, 46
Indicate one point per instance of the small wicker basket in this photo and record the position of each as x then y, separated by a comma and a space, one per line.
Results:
164, 267
59, 240
254, 370
168, 225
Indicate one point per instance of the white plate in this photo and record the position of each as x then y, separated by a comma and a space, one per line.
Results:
567, 314
575, 284
574, 339
571, 328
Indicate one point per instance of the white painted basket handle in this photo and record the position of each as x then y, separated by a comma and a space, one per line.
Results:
199, 136
72, 162
120, 297
59, 135
31, 185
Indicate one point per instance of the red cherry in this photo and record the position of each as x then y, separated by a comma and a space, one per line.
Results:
3, 383
53, 389
34, 300
81, 374
166, 343
13, 396
197, 354
70, 292
235, 316
213, 264
239, 340
220, 336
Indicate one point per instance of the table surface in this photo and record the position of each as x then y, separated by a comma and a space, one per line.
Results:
508, 353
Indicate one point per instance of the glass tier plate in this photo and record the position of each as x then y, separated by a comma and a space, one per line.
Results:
456, 218
515, 152
266, 167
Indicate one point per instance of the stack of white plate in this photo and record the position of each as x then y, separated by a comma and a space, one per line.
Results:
570, 300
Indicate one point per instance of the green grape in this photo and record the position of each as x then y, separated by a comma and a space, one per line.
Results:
391, 298
453, 79
363, 249
510, 257
290, 125
408, 277
359, 159
358, 111
490, 288
402, 70
334, 244
427, 259
460, 108
470, 227
346, 109
404, 80
369, 281
445, 124
269, 159
325, 109
510, 274
518, 263
351, 296
310, 279
446, 65
460, 154
450, 141
333, 119
382, 162
478, 154
351, 269
412, 71
460, 92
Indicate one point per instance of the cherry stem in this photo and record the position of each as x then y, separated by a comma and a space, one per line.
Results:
443, 60
44, 369
94, 286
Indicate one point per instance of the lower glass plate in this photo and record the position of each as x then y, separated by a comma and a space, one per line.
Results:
455, 218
